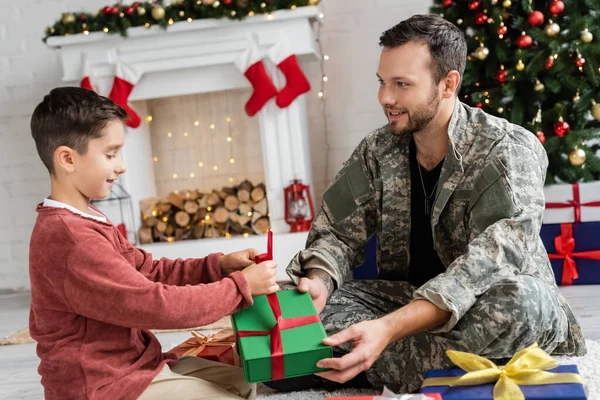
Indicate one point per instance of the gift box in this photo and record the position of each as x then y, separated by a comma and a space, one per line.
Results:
578, 202
574, 252
280, 336
219, 347
530, 375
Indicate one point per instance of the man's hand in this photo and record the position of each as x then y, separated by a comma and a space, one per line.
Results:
320, 286
238, 261
369, 339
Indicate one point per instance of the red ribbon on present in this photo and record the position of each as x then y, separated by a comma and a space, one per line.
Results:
565, 244
281, 324
575, 203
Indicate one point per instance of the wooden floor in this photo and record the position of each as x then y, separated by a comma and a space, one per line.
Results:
18, 364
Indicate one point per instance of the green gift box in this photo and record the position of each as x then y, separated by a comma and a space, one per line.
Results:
280, 336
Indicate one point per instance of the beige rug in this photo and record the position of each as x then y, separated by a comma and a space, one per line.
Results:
23, 336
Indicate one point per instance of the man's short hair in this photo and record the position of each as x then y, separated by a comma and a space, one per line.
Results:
71, 116
447, 44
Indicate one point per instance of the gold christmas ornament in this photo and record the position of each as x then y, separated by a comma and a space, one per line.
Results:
506, 3
481, 52
595, 110
141, 11
313, 2
552, 30
158, 13
586, 36
539, 86
520, 66
577, 156
208, 2
68, 18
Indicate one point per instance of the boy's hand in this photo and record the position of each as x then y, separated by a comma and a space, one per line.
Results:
262, 278
238, 261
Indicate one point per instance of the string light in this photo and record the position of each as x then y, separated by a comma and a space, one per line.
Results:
228, 119
215, 167
246, 235
149, 118
231, 160
154, 213
185, 134
147, 25
229, 138
201, 164
233, 13
197, 123
170, 134
174, 176
230, 180
105, 29
251, 14
155, 159
212, 126
170, 21
321, 93
293, 7
192, 175
208, 208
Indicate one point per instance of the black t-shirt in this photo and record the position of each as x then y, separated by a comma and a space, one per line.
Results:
425, 263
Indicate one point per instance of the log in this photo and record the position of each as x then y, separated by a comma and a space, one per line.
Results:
182, 218
145, 235
261, 225
161, 226
256, 216
236, 228
194, 195
222, 195
243, 195
213, 199
262, 207
221, 215
191, 206
231, 203
199, 231
258, 193
148, 206
210, 231
229, 190
150, 222
244, 209
203, 203
234, 217
244, 219
170, 230
164, 207
246, 185
175, 200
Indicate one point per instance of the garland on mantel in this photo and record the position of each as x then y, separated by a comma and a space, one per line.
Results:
119, 17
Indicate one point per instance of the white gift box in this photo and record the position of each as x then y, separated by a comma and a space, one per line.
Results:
564, 195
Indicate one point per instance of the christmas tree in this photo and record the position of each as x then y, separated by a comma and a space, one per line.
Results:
535, 63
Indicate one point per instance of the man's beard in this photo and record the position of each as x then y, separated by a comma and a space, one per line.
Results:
419, 119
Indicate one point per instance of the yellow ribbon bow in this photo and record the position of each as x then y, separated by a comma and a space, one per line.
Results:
199, 342
527, 367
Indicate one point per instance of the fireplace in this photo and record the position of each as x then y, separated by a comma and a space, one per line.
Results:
191, 65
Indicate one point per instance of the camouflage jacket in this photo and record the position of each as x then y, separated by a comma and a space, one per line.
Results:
485, 220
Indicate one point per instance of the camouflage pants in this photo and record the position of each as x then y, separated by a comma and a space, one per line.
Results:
513, 314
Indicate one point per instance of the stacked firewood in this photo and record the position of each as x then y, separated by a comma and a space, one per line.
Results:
238, 210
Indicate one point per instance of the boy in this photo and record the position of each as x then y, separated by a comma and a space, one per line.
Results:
95, 296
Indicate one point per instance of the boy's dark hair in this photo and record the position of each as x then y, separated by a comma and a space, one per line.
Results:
447, 44
71, 116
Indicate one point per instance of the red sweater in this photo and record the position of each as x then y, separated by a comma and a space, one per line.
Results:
94, 298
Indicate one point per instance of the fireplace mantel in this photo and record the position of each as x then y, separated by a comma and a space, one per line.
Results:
197, 57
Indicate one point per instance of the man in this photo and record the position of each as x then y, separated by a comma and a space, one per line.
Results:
455, 197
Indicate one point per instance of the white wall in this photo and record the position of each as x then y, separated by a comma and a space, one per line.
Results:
28, 70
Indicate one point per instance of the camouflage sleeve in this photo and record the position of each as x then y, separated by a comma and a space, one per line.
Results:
505, 217
346, 218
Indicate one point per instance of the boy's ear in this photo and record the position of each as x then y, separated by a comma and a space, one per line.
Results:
64, 159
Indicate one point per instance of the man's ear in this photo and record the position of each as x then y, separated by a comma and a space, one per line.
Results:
64, 159
451, 83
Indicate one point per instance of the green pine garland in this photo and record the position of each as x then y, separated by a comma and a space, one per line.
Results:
119, 18
550, 82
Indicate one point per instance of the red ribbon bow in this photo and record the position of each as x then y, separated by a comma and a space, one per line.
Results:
565, 244
575, 203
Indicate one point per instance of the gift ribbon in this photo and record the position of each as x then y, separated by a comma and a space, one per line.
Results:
527, 367
565, 244
575, 203
199, 342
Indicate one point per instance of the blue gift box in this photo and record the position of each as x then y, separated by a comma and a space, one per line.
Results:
559, 391
586, 239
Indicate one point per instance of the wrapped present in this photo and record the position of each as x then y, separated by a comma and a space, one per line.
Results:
280, 336
530, 375
578, 202
574, 252
219, 347
389, 395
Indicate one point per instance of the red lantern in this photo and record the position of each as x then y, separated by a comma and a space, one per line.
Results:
502, 30
524, 41
298, 214
535, 18
561, 128
480, 19
557, 7
447, 3
473, 5
541, 137
501, 75
549, 62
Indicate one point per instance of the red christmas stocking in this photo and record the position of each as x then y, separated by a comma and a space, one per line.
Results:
250, 63
86, 76
296, 82
125, 79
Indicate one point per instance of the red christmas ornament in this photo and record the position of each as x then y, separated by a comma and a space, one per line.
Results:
502, 30
114, 10
135, 4
82, 17
524, 41
535, 18
501, 75
106, 10
557, 7
541, 137
227, 2
580, 62
479, 105
480, 18
447, 3
129, 10
473, 5
561, 128
549, 62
